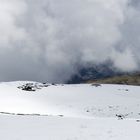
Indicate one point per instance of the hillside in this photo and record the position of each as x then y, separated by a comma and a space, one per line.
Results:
32, 110
131, 79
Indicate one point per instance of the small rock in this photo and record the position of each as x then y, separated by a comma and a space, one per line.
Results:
120, 117
96, 85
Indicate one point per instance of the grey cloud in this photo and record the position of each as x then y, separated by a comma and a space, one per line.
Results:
49, 39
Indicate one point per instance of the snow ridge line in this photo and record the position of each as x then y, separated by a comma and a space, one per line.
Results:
22, 114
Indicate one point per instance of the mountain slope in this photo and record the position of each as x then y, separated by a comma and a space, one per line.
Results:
130, 79
71, 100
69, 112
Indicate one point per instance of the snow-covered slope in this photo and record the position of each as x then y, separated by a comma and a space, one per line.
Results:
69, 112
71, 100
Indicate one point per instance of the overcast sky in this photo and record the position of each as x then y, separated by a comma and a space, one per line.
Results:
47, 40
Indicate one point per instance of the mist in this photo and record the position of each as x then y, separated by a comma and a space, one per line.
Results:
48, 40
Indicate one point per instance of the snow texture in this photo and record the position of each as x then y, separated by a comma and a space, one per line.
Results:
69, 112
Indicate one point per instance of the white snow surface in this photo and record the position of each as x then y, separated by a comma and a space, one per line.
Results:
69, 112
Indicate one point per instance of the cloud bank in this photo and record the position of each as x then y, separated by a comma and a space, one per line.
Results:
47, 40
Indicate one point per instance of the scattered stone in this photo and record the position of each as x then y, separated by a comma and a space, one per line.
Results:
110, 107
54, 84
96, 85
61, 115
123, 89
126, 90
33, 86
20, 114
28, 87
35, 114
7, 113
120, 116
4, 112
45, 85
